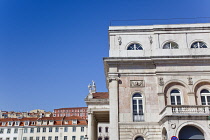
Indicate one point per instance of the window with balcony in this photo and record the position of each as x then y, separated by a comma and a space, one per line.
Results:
135, 46
138, 113
175, 97
199, 44
170, 45
205, 97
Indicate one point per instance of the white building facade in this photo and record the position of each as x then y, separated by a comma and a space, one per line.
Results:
158, 78
48, 128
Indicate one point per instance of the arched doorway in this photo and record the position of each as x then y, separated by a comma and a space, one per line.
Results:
190, 133
139, 138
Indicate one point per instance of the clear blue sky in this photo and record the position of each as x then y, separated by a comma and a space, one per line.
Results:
50, 50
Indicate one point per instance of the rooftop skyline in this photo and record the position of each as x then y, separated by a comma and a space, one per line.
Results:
51, 50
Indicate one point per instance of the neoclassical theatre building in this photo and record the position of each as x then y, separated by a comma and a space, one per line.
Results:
158, 81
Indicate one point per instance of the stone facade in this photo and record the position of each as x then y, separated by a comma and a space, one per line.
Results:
158, 78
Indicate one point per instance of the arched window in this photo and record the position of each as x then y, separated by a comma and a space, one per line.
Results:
107, 138
138, 114
198, 44
175, 97
139, 138
205, 97
170, 45
100, 138
135, 46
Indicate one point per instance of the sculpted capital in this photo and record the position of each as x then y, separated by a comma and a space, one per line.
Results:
110, 79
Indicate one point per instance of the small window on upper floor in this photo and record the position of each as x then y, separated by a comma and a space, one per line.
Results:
198, 44
170, 45
135, 46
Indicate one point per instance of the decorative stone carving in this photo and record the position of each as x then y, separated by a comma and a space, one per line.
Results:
161, 82
150, 39
173, 125
119, 40
110, 79
190, 82
137, 83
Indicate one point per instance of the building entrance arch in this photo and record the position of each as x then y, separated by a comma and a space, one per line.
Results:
190, 132
139, 138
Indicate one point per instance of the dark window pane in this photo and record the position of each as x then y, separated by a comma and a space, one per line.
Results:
172, 100
178, 100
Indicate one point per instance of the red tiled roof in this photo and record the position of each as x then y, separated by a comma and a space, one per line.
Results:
101, 95
57, 120
71, 108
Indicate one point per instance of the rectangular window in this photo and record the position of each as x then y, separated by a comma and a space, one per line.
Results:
50, 138
56, 137
44, 129
8, 131
73, 137
81, 137
57, 129
43, 138
1, 138
65, 129
31, 138
14, 138
38, 130
99, 129
107, 129
7, 138
37, 138
50, 129
82, 129
24, 138
25, 130
1, 130
16, 130
73, 129
32, 130
65, 137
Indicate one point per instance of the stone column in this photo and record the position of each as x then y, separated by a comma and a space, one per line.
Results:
113, 103
90, 126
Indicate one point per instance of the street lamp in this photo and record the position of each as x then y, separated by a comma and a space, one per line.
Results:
86, 138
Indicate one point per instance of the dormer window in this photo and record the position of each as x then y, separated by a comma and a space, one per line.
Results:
170, 45
3, 123
198, 44
74, 121
135, 46
10, 123
17, 123
33, 123
27, 123
65, 122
